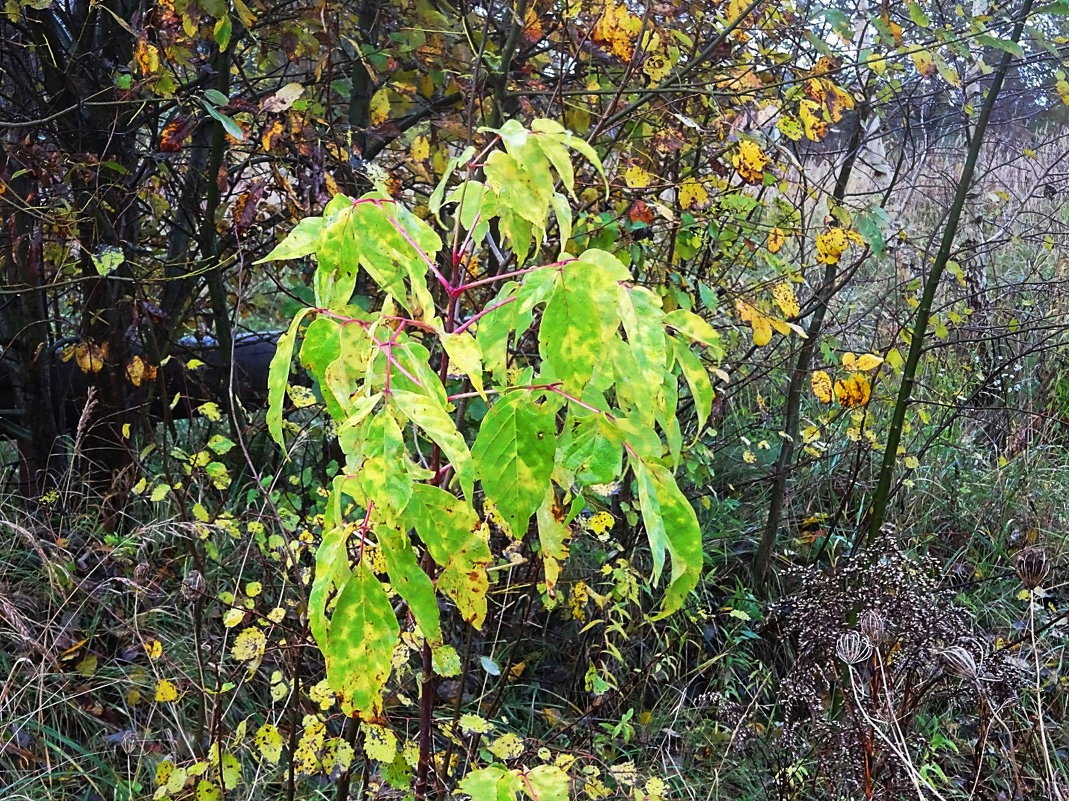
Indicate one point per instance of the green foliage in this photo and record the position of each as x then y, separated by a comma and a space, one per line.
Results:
556, 424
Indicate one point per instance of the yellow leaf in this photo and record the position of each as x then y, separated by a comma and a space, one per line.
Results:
380, 743
90, 356
211, 411
154, 649
421, 148
302, 397
762, 331
853, 391
830, 245
380, 107
507, 746
249, 645
783, 295
815, 127
636, 177
618, 30
821, 383
233, 617
166, 692
268, 742
600, 522
775, 241
88, 666
691, 194
911, 462
868, 361
272, 135
147, 57
750, 162
925, 63
849, 361
306, 754
253, 588
749, 456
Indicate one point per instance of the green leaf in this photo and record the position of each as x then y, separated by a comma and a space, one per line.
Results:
694, 327
701, 388
278, 375
107, 259
332, 571
458, 542
440, 427
553, 535
639, 374
589, 449
513, 456
491, 784
672, 527
228, 124
338, 259
1007, 45
494, 329
917, 15
579, 318
224, 29
382, 477
547, 783
301, 241
409, 581
558, 132
216, 97
464, 351
360, 641
524, 192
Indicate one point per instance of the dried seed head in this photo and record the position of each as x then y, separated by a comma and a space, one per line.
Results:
958, 662
873, 625
193, 585
853, 647
1033, 566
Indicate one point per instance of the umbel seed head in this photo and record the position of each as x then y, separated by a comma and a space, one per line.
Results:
853, 647
958, 662
1033, 566
873, 625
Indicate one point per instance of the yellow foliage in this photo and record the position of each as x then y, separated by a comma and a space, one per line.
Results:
925, 63
862, 363
166, 692
691, 194
380, 107
618, 29
776, 238
761, 325
147, 57
749, 161
421, 148
815, 127
853, 391
821, 383
830, 245
249, 645
783, 295
636, 177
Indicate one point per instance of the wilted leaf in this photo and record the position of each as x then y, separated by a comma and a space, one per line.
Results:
283, 98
